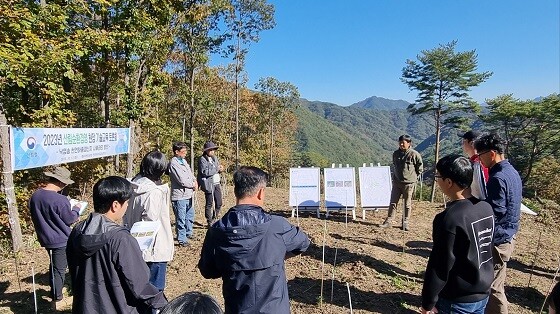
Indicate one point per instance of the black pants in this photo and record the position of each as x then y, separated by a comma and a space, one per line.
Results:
215, 197
57, 271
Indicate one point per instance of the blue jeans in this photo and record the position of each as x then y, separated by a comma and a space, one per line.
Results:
184, 219
448, 307
157, 274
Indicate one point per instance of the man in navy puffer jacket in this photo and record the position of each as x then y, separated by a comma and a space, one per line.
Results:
247, 248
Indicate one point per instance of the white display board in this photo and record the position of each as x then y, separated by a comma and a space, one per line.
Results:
304, 187
375, 186
340, 187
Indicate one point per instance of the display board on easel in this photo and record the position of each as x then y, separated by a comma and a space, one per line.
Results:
340, 189
375, 187
304, 190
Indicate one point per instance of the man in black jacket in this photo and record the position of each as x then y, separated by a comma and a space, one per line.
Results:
108, 272
247, 248
460, 269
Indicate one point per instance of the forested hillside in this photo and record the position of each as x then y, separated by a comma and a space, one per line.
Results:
365, 132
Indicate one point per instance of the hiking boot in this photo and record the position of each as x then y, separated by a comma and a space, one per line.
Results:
386, 223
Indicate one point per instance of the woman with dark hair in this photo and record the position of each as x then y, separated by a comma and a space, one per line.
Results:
151, 202
192, 303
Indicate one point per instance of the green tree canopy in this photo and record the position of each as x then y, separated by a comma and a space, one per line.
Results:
443, 79
531, 129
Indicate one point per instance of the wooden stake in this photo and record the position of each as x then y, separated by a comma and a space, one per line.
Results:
334, 266
323, 262
534, 259
349, 297
8, 184
34, 289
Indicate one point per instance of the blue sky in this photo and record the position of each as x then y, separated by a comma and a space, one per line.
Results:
345, 51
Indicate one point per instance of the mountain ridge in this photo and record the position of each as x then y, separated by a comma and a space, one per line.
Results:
366, 132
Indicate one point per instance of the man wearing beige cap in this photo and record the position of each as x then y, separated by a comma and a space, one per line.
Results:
52, 216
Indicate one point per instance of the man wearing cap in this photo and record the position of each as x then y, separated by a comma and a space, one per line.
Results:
209, 169
52, 216
480, 173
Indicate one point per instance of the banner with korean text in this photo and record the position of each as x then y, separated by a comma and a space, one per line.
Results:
38, 147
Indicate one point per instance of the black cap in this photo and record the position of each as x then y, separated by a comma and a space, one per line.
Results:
471, 135
209, 146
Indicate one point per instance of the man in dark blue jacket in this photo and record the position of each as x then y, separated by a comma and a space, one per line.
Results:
247, 248
504, 190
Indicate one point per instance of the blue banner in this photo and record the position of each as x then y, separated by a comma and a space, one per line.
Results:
38, 147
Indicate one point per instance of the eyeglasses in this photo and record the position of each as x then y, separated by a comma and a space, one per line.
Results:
485, 152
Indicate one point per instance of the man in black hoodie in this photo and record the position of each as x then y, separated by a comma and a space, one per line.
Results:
247, 248
460, 269
105, 261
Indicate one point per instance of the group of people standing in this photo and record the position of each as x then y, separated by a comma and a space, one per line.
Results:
111, 274
150, 200
474, 237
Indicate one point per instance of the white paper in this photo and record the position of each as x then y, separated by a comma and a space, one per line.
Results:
526, 210
145, 232
340, 187
81, 205
304, 187
375, 186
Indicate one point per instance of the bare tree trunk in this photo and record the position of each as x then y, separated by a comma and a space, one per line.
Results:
117, 157
130, 156
271, 145
436, 155
532, 158
191, 131
237, 70
104, 93
130, 106
8, 185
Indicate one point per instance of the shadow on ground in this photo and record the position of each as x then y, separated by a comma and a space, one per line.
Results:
419, 248
527, 297
23, 301
528, 269
308, 291
343, 255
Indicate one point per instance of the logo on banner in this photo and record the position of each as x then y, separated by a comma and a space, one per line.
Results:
31, 142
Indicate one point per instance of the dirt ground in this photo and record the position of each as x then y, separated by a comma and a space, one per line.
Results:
380, 270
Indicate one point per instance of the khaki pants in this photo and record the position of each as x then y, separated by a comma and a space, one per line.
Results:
406, 190
497, 303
